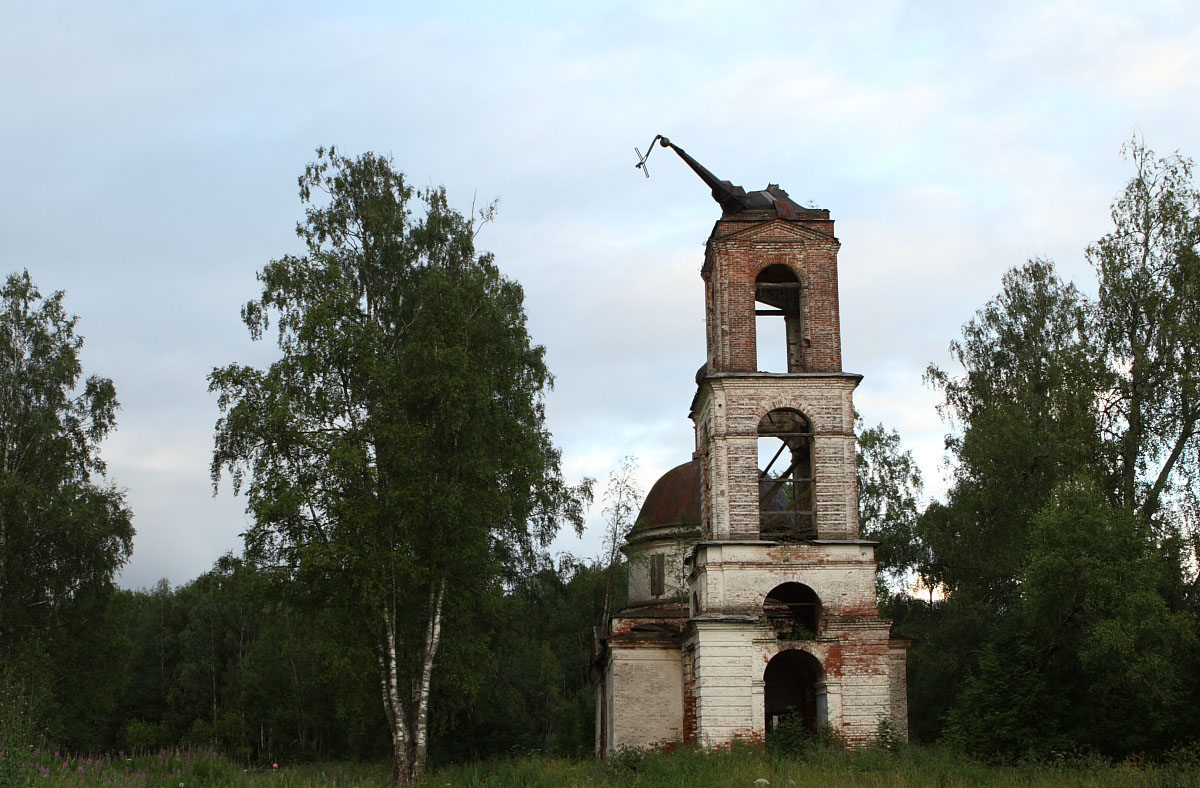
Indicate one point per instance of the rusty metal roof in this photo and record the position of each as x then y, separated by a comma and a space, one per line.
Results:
674, 500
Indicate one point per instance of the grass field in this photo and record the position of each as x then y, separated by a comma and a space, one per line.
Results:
743, 768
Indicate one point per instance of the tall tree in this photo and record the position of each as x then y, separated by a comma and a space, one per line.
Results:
63, 531
1061, 544
1025, 419
1149, 307
397, 455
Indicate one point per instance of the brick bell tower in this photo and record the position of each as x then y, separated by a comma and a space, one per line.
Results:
751, 595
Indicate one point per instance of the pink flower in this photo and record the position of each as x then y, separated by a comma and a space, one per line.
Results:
275, 766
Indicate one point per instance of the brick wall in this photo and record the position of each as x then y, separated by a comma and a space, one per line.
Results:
647, 695
737, 252
674, 557
730, 660
728, 682
729, 409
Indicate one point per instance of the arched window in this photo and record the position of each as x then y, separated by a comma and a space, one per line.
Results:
779, 337
786, 502
793, 611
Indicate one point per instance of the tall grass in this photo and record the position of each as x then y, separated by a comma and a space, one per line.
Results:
740, 767
188, 767
819, 767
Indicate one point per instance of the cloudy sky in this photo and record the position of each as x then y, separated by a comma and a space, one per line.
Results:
152, 151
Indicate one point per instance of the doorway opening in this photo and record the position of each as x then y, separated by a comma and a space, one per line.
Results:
794, 692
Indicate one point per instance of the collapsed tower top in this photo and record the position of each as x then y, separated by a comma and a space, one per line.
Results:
734, 199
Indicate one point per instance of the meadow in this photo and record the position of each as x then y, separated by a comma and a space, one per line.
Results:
740, 768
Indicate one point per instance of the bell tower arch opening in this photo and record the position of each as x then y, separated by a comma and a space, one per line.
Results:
777, 320
794, 689
786, 501
794, 611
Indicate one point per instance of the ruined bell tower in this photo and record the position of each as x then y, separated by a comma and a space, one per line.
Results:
751, 594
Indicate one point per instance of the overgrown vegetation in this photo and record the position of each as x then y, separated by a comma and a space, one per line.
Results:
818, 764
232, 660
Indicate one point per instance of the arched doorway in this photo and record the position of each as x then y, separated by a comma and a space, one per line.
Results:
794, 687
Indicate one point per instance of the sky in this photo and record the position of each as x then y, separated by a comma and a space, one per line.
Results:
152, 151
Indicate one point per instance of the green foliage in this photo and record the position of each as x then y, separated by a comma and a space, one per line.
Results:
790, 739
1066, 546
395, 457
1025, 418
239, 660
401, 434
1148, 269
230, 660
17, 732
741, 766
822, 766
62, 535
538, 696
622, 499
889, 491
63, 532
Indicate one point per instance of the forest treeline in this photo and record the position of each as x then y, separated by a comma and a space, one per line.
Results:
394, 597
242, 659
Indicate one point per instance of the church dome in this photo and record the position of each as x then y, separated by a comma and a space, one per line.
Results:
674, 500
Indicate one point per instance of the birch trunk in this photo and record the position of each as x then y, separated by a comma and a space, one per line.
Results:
393, 707
409, 723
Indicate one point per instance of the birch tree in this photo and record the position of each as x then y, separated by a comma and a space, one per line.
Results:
395, 457
64, 532
1148, 268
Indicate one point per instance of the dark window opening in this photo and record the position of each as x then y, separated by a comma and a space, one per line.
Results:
793, 611
658, 574
786, 499
780, 336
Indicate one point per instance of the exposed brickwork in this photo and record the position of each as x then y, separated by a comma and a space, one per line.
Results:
713, 637
741, 248
690, 727
899, 685
730, 408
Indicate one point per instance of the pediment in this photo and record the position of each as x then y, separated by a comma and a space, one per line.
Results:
777, 231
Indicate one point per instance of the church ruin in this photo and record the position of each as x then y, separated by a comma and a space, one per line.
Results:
751, 595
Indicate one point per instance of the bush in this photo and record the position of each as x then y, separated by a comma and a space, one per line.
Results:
792, 740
